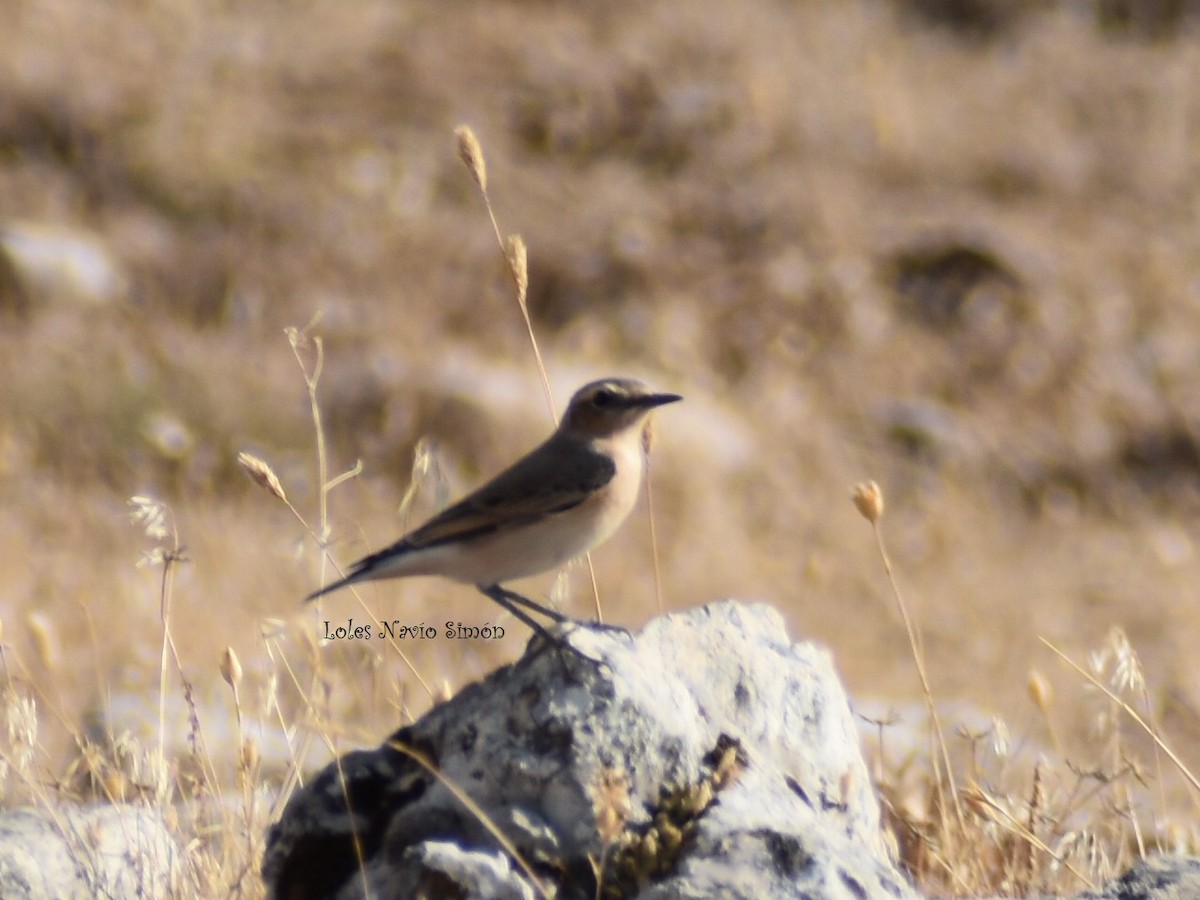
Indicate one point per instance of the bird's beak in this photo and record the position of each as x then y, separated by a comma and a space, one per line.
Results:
649, 401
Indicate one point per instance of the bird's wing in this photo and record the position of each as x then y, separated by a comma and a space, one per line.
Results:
546, 482
525, 493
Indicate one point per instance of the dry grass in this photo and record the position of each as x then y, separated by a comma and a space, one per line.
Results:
1024, 825
741, 208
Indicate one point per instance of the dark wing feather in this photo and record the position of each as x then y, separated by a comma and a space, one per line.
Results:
518, 495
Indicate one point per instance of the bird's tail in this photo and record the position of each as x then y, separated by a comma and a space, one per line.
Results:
368, 568
381, 564
329, 588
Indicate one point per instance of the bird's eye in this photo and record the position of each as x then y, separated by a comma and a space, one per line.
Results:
603, 398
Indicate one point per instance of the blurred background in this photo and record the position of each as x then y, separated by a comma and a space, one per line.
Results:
950, 246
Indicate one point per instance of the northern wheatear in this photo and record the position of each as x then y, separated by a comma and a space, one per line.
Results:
552, 505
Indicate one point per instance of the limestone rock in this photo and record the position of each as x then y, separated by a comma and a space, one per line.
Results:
1163, 877
705, 756
86, 852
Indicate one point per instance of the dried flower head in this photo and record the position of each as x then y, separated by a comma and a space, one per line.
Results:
1000, 737
231, 668
1127, 671
151, 515
868, 497
1040, 691
44, 636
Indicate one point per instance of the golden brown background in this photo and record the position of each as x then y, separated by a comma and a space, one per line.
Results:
956, 254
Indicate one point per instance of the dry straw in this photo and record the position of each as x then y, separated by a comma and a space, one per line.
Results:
868, 498
516, 256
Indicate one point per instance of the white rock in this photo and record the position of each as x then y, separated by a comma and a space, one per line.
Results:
57, 261
86, 852
539, 745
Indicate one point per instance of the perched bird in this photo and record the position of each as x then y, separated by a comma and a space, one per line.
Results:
552, 505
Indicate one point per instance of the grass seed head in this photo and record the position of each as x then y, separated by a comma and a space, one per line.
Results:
472, 154
518, 264
262, 474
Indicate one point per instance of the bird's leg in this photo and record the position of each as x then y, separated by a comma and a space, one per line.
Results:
504, 598
514, 597
524, 601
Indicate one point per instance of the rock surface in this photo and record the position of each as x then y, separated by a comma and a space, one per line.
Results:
705, 756
1157, 878
86, 852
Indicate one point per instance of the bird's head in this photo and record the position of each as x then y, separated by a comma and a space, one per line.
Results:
610, 406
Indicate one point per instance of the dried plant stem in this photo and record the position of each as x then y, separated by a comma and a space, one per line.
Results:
591, 566
513, 249
926, 691
1003, 818
164, 614
658, 591
298, 339
359, 852
1133, 714
265, 476
516, 256
169, 558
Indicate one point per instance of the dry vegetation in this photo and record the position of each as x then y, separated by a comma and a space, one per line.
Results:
960, 259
